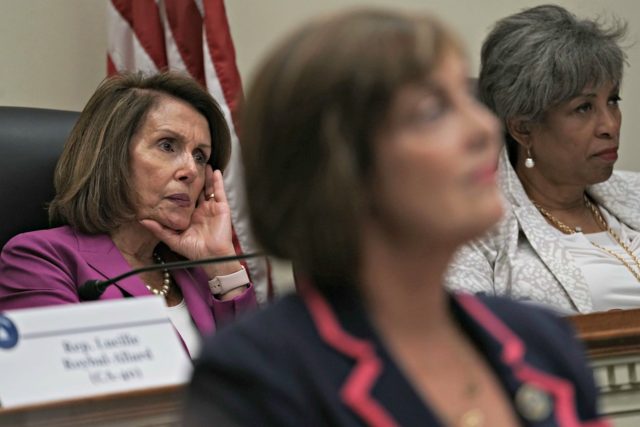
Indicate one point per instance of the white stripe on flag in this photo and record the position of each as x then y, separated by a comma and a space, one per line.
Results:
200, 6
234, 183
123, 46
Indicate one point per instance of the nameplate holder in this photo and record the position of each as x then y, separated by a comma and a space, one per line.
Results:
82, 350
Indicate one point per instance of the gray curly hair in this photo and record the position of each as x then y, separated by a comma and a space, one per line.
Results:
543, 56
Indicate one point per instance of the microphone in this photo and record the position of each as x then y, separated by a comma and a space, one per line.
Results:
91, 290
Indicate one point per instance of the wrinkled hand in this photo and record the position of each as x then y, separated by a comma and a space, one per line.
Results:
209, 234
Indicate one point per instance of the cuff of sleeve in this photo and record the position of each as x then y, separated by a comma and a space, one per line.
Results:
222, 284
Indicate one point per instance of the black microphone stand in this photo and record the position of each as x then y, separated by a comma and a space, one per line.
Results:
91, 290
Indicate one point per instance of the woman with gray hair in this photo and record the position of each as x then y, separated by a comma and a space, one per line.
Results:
569, 238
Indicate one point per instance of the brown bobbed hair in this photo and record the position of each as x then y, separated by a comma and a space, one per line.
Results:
93, 191
310, 120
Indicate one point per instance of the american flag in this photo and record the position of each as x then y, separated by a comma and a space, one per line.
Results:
191, 36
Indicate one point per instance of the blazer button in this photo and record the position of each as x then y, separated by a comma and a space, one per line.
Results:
532, 403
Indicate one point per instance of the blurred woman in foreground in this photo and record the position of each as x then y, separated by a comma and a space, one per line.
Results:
368, 163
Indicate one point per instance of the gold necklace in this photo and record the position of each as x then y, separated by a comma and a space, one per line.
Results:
604, 227
555, 221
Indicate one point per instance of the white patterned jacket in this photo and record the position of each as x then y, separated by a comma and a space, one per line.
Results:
522, 258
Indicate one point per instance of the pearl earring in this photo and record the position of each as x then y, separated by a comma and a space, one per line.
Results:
528, 162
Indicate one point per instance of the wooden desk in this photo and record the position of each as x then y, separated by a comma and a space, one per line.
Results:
611, 333
151, 407
612, 340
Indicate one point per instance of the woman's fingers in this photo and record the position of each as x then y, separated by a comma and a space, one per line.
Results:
209, 187
207, 191
218, 187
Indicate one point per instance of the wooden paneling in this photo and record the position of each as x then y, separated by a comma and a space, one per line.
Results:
150, 407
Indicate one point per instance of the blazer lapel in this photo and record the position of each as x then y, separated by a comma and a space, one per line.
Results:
620, 195
543, 240
357, 390
102, 255
555, 257
197, 297
552, 398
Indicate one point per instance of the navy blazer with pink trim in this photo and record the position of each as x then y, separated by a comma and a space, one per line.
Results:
317, 362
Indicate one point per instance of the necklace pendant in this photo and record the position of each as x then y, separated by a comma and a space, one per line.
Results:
472, 418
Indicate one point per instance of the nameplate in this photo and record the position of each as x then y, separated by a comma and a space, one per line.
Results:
89, 349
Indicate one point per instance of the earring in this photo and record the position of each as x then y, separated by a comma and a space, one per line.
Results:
528, 162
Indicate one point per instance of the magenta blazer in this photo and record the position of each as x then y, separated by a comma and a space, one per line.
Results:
46, 267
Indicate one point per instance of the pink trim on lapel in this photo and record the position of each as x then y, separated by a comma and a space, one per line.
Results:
513, 351
356, 390
198, 298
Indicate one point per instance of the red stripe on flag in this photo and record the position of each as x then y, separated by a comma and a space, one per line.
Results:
186, 26
144, 19
223, 57
223, 54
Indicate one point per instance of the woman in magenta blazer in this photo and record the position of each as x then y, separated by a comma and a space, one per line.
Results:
138, 183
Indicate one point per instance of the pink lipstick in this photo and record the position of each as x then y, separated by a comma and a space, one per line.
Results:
180, 199
610, 155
